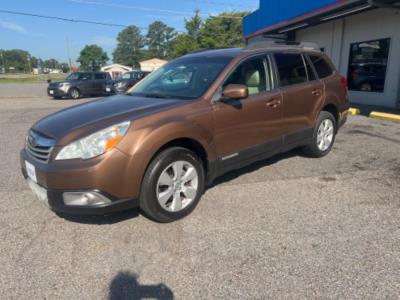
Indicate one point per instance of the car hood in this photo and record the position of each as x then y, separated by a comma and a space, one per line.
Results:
101, 113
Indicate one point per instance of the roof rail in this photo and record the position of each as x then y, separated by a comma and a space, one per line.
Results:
283, 44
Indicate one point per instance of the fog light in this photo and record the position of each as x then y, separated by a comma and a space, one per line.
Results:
85, 199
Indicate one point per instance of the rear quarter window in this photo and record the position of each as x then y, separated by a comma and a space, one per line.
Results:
322, 67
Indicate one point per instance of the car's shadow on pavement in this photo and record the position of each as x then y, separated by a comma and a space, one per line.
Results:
126, 286
255, 166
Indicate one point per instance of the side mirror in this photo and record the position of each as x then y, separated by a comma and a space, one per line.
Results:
235, 91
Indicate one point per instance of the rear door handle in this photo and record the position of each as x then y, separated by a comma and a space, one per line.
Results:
273, 103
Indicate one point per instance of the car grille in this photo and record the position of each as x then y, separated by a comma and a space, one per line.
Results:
39, 146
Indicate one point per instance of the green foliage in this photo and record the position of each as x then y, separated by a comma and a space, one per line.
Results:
92, 57
184, 44
159, 39
220, 32
51, 64
15, 60
130, 43
193, 24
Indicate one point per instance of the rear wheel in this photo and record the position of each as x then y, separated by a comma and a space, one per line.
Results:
172, 185
74, 93
323, 137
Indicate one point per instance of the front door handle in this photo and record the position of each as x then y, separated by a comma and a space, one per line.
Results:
317, 92
273, 103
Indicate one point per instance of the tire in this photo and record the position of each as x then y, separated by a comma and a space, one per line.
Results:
315, 148
162, 190
74, 93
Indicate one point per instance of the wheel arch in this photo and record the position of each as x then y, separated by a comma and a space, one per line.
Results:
332, 108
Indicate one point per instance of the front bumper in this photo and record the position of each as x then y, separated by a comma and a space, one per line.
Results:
52, 184
57, 92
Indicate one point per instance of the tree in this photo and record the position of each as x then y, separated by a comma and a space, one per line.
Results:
222, 31
193, 24
64, 67
184, 44
159, 39
188, 42
92, 57
130, 43
16, 59
51, 64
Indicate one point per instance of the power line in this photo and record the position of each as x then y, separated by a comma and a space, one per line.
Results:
123, 6
63, 19
218, 3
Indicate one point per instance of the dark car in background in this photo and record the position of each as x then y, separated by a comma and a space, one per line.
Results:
367, 77
79, 84
125, 82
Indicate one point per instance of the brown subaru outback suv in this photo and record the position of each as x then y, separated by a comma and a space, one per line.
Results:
184, 125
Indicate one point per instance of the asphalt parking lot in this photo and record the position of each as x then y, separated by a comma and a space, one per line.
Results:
288, 227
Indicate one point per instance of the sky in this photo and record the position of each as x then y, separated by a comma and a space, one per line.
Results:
46, 39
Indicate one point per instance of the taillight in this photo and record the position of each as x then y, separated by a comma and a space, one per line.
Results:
344, 83
354, 75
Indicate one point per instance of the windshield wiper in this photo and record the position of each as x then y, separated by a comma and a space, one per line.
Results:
152, 95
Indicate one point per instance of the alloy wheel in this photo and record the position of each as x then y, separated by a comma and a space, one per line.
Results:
325, 135
177, 186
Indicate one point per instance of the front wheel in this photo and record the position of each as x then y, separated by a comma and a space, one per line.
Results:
323, 137
172, 185
74, 93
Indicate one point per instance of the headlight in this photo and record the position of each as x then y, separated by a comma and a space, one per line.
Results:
95, 144
62, 84
121, 84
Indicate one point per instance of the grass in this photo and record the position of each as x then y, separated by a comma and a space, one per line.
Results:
28, 78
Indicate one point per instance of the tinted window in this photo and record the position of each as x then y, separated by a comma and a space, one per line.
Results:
321, 66
252, 74
79, 76
99, 76
367, 65
291, 68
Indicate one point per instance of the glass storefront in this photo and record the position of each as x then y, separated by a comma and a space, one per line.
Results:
368, 65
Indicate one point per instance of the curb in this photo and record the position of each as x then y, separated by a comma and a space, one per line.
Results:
385, 116
354, 111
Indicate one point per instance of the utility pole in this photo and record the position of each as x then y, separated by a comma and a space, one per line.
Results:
68, 53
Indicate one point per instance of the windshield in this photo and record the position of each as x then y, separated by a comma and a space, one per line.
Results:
126, 76
186, 78
79, 76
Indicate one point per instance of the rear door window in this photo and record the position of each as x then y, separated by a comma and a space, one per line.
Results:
321, 66
99, 76
291, 68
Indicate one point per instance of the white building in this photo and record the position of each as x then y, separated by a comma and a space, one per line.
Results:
152, 64
362, 37
116, 70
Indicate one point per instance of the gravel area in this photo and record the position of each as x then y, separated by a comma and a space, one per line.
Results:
288, 227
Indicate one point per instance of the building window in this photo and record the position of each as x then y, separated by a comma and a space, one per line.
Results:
367, 65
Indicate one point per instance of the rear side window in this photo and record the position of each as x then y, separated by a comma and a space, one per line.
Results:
321, 66
99, 76
291, 68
